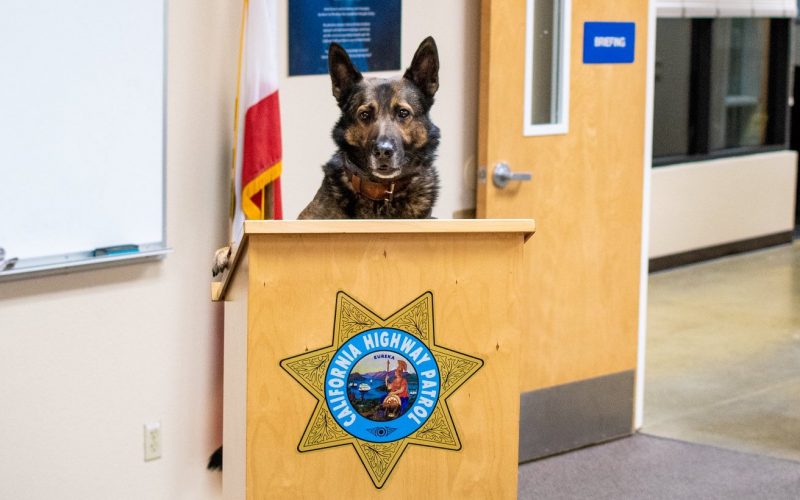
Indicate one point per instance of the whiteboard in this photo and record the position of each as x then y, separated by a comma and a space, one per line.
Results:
82, 117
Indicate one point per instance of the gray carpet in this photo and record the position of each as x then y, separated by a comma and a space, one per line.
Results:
650, 468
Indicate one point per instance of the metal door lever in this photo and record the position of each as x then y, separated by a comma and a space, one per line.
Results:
502, 175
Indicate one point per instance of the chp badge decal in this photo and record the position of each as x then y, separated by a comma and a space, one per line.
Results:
382, 385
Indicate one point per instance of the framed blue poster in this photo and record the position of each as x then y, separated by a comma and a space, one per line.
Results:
368, 29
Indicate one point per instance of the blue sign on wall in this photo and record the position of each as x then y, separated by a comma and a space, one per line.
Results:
368, 29
608, 43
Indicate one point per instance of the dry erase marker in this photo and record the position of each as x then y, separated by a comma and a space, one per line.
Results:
115, 250
6, 264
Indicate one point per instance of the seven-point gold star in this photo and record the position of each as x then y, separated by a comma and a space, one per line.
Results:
351, 319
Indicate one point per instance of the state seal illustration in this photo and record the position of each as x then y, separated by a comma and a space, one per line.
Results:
382, 385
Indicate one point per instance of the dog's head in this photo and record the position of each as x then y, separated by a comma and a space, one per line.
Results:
384, 127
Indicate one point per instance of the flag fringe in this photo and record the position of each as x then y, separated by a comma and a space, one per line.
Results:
250, 209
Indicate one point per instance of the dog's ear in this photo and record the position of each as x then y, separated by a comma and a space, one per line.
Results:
424, 69
343, 74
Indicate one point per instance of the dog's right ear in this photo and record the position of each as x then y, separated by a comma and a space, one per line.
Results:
343, 74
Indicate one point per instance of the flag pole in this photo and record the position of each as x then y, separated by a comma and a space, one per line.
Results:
245, 5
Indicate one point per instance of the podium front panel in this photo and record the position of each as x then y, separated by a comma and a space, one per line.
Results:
323, 314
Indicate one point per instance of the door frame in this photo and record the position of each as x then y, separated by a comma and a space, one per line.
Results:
638, 415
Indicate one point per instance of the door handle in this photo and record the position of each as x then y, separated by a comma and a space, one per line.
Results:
502, 175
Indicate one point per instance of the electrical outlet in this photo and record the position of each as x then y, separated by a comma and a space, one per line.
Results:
152, 441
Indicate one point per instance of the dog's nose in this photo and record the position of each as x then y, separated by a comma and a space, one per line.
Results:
383, 148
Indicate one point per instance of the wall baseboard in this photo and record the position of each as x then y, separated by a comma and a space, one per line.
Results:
574, 415
717, 251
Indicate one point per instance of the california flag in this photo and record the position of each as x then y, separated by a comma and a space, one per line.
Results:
257, 158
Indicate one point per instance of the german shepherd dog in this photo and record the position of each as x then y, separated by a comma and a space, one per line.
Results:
386, 142
386, 145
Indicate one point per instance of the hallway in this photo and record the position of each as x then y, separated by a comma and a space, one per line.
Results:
723, 353
722, 392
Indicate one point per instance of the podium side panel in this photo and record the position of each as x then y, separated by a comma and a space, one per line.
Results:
234, 391
475, 283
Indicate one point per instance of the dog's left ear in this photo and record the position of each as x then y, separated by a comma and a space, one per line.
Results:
424, 69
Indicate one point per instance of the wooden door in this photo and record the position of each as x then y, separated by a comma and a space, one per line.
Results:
586, 197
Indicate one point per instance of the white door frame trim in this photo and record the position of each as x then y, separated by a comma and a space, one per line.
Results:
638, 415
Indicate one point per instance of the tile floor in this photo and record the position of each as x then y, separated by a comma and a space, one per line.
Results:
723, 353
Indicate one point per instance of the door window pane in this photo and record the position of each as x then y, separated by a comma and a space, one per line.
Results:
545, 67
545, 55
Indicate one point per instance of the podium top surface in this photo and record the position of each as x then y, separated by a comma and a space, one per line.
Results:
391, 226
523, 227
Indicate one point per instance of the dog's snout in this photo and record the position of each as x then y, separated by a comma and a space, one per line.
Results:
383, 148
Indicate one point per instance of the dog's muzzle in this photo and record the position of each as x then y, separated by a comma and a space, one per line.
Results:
385, 161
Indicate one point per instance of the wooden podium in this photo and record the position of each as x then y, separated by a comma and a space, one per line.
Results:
370, 359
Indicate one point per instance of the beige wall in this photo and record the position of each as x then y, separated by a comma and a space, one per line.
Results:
708, 203
88, 358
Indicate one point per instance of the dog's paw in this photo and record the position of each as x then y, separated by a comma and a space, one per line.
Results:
221, 260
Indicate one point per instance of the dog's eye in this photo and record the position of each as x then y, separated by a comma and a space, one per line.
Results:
403, 113
365, 116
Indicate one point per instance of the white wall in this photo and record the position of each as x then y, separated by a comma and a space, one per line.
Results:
709, 203
88, 358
